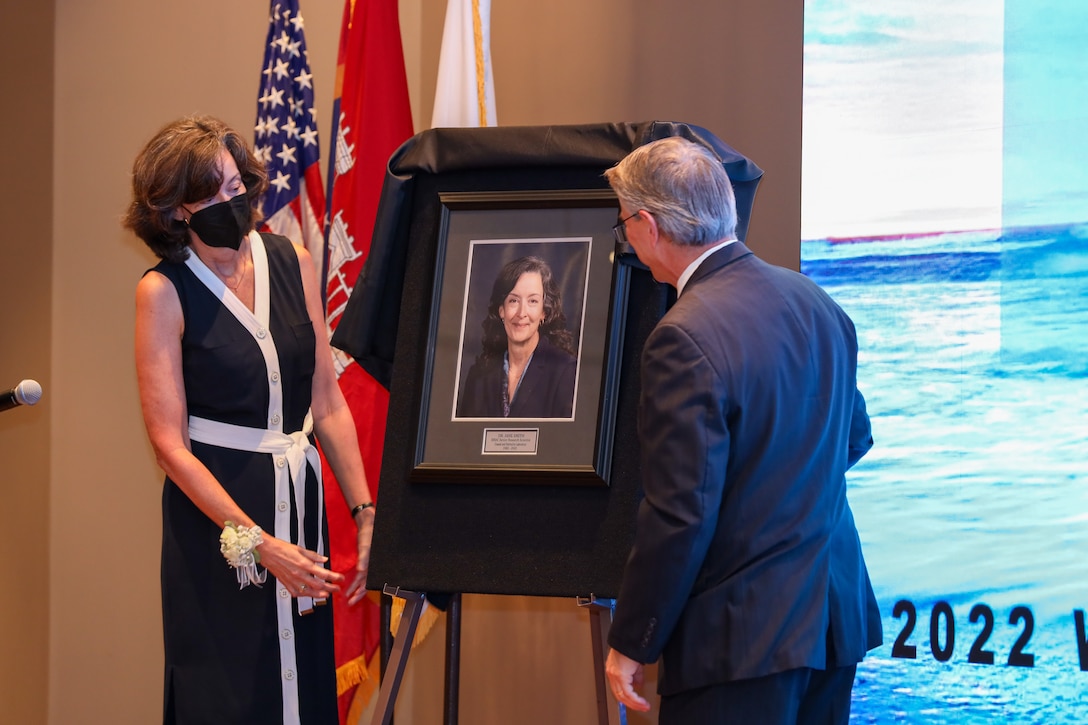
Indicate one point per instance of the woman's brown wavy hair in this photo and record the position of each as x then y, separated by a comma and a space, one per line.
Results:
179, 165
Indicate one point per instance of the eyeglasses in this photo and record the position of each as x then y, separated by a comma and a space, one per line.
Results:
619, 230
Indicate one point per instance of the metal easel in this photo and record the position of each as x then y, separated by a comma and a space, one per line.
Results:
609, 712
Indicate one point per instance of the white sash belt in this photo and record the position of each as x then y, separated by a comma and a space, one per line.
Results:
290, 452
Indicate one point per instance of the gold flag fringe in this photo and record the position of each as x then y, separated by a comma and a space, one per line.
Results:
351, 673
427, 619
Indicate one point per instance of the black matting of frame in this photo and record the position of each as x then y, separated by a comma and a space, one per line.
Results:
571, 231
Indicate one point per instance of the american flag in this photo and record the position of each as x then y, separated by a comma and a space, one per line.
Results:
286, 135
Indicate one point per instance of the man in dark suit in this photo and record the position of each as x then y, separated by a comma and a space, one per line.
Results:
746, 576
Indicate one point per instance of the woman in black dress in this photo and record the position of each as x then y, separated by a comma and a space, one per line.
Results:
236, 377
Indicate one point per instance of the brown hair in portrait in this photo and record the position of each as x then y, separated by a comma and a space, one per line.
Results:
554, 326
179, 165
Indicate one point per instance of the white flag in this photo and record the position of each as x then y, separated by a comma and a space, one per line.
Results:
465, 94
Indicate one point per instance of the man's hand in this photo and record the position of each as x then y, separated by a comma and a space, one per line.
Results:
624, 676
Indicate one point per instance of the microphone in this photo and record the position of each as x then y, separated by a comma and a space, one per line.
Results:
28, 392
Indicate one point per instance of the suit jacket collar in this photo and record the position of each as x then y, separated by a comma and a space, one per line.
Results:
724, 256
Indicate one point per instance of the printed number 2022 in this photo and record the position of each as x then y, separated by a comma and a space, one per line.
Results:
942, 633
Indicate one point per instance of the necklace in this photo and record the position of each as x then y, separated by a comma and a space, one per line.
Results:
226, 280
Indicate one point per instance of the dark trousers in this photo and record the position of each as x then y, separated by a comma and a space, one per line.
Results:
794, 697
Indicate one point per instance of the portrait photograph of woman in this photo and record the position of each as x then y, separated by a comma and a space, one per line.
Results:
521, 329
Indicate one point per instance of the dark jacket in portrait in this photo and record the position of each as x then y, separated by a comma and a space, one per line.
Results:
546, 390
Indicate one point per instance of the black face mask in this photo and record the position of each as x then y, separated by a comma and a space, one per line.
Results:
223, 224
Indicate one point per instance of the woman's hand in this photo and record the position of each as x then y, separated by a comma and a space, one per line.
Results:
298, 569
357, 588
335, 427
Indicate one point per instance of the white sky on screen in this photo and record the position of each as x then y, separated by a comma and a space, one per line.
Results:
902, 128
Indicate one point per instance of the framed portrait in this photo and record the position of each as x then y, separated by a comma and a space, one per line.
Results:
525, 329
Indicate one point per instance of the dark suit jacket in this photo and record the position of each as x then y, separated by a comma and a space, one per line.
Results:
546, 390
746, 559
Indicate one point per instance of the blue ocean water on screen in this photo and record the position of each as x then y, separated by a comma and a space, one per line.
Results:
973, 504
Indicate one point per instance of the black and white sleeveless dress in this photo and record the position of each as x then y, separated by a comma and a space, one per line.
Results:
246, 656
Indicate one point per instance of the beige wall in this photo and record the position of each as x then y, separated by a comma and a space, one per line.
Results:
26, 249
79, 607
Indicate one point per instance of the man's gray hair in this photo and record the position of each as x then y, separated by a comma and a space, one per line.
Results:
683, 185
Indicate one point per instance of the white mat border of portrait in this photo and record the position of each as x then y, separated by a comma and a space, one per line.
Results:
570, 450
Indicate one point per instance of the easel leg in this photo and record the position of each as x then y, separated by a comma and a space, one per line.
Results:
385, 635
398, 658
609, 712
453, 658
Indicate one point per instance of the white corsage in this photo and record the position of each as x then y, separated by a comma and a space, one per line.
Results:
239, 547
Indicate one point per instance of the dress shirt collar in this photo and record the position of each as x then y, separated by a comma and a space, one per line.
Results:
690, 269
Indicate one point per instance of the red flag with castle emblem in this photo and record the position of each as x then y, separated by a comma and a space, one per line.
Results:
371, 119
